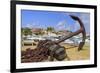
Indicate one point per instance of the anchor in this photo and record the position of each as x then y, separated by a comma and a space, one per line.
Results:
53, 49
57, 51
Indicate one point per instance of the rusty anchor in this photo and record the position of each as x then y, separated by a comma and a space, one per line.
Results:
53, 49
57, 51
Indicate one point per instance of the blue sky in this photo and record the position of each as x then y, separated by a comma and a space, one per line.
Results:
58, 20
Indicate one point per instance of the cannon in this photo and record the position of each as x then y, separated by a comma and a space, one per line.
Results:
54, 49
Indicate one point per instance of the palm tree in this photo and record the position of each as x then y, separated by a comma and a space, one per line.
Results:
50, 29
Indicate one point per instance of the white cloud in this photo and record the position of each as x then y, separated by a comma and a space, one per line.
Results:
33, 25
62, 25
28, 25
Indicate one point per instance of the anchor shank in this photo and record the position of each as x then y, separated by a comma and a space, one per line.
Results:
69, 36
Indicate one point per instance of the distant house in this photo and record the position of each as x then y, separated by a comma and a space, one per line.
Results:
36, 30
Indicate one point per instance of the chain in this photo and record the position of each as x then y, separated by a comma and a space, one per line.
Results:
38, 54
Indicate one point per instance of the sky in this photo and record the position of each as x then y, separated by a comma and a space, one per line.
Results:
57, 20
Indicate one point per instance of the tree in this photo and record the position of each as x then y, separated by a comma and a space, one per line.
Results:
26, 31
50, 29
